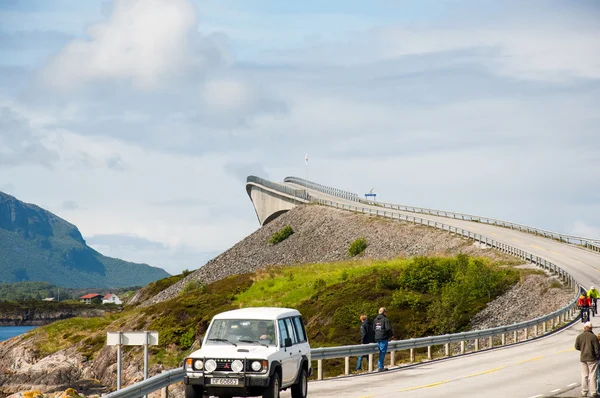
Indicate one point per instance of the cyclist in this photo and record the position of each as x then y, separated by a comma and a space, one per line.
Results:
593, 294
583, 303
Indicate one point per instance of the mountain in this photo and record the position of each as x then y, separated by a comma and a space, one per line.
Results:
36, 245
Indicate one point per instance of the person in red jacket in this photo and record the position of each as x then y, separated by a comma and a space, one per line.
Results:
583, 303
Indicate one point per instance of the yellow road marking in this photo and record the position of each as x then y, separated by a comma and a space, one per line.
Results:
515, 239
485, 372
425, 386
368, 396
529, 360
567, 350
536, 246
553, 252
579, 262
495, 234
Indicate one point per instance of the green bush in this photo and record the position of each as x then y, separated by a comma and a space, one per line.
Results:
407, 299
357, 247
387, 281
191, 286
282, 235
319, 284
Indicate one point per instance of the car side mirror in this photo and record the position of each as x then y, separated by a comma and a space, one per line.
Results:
287, 342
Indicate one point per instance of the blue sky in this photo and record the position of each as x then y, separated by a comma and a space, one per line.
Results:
139, 120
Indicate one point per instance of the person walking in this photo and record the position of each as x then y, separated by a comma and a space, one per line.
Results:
383, 332
366, 337
593, 294
589, 348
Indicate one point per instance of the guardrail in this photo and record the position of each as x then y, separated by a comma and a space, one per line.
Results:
322, 188
563, 315
586, 242
590, 243
147, 386
279, 187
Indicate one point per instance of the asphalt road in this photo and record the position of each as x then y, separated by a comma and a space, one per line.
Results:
545, 367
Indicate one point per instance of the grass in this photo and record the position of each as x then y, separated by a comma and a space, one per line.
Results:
60, 335
287, 286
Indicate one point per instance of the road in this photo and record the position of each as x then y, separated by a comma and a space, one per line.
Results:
542, 368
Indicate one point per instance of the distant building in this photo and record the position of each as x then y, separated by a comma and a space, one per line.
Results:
89, 297
111, 299
48, 299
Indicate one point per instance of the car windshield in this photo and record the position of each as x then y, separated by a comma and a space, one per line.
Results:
242, 331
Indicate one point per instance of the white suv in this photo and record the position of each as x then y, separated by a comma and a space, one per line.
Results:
251, 352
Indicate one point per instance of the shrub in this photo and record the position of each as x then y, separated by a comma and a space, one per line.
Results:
281, 235
407, 299
319, 284
191, 286
185, 272
344, 276
357, 247
187, 339
387, 281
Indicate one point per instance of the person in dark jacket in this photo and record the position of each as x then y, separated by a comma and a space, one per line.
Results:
383, 332
365, 337
587, 344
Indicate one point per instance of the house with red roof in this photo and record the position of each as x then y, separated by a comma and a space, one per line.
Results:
111, 299
89, 297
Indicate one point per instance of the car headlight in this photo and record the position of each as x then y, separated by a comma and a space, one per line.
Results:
237, 366
198, 364
210, 365
256, 366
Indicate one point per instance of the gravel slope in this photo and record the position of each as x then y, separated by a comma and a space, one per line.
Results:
323, 234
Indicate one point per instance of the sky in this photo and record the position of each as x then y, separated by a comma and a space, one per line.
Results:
139, 120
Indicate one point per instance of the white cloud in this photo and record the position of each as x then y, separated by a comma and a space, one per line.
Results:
229, 93
144, 41
581, 228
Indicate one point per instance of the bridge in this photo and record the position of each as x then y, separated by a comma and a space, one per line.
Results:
544, 364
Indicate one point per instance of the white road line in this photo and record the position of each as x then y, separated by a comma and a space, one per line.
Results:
537, 396
572, 384
557, 390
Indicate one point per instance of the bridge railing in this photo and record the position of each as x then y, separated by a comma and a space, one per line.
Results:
546, 323
322, 188
279, 187
590, 243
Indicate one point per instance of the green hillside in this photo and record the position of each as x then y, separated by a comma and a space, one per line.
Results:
424, 296
36, 245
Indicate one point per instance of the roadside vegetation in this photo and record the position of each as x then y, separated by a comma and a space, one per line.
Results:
281, 235
357, 247
423, 295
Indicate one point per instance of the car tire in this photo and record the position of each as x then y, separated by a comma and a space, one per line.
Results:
300, 389
274, 385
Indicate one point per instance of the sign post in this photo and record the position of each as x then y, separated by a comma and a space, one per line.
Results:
119, 339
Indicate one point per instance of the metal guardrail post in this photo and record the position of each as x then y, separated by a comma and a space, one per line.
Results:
370, 362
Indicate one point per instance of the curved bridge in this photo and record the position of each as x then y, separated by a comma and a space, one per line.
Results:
542, 367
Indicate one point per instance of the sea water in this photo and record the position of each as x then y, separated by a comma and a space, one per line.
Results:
6, 332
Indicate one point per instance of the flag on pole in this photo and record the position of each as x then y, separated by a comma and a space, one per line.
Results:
306, 159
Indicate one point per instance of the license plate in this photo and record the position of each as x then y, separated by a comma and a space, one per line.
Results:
224, 381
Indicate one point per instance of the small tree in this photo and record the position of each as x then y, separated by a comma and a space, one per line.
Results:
357, 247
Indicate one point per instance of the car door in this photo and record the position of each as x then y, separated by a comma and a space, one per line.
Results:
296, 348
304, 348
287, 362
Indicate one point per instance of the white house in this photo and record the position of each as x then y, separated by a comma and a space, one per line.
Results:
111, 299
